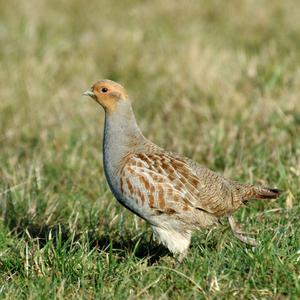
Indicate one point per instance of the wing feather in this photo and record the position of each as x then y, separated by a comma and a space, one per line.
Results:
172, 184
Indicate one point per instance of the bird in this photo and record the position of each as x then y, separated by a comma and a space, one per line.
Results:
173, 193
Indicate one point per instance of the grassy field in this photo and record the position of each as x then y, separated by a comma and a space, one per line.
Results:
218, 81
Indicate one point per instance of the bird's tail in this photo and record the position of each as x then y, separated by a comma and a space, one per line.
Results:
266, 193
249, 192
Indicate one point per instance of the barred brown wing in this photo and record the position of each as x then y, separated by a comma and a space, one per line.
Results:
168, 184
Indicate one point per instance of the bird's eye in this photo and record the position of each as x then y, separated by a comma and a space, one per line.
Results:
104, 90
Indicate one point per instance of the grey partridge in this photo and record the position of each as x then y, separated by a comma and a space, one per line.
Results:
174, 194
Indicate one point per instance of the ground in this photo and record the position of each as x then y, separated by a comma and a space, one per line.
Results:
217, 81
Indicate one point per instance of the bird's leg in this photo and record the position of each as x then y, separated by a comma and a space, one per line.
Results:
238, 233
182, 256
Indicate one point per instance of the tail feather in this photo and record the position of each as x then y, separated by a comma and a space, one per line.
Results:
266, 193
249, 192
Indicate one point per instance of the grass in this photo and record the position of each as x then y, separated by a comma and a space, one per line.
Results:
217, 81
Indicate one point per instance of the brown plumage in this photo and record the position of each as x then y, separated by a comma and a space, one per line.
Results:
174, 194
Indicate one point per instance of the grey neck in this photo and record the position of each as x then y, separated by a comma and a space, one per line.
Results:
121, 133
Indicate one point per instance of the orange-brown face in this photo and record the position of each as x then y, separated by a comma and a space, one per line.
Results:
107, 93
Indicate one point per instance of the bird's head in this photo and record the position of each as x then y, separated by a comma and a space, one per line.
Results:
108, 94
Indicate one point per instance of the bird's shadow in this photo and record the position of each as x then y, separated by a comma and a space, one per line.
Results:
120, 246
139, 247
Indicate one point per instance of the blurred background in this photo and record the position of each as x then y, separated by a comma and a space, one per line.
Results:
218, 81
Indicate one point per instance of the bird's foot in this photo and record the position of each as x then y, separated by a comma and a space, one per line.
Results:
182, 256
239, 234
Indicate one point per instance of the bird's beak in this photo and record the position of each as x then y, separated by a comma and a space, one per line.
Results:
89, 93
